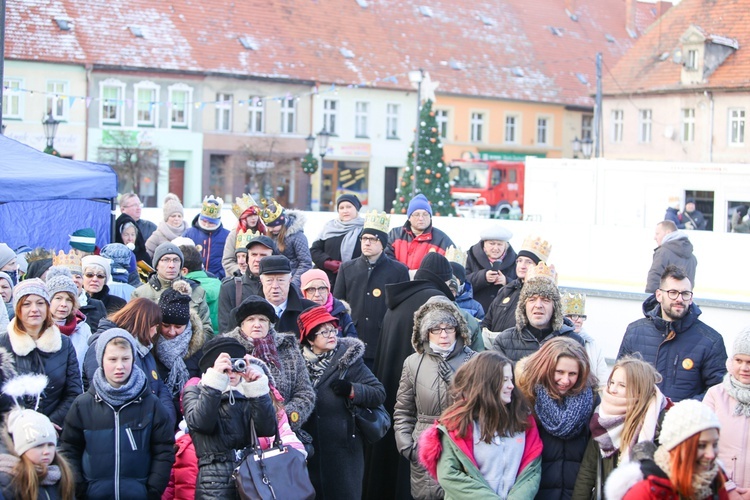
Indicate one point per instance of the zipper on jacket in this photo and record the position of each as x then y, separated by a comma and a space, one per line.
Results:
117, 441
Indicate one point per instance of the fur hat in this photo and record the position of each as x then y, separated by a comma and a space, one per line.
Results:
29, 429
685, 419
33, 286
6, 254
254, 304
311, 318
312, 275
437, 309
419, 202
172, 205
544, 286
84, 240
495, 232
167, 248
107, 336
175, 306
351, 198
99, 261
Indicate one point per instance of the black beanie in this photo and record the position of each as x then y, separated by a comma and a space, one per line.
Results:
383, 237
438, 265
351, 198
214, 347
175, 307
459, 272
530, 255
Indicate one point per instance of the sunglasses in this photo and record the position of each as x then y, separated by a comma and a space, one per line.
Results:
91, 275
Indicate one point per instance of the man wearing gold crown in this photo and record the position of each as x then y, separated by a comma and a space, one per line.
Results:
209, 235
361, 281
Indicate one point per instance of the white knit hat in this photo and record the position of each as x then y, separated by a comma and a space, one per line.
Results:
742, 342
685, 419
30, 429
98, 260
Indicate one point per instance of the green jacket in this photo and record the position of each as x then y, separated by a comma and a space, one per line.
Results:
212, 287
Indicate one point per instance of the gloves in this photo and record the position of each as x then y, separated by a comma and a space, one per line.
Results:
332, 265
341, 387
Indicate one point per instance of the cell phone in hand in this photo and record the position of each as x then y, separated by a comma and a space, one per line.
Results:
496, 265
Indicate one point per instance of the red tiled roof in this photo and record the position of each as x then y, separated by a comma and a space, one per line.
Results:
642, 70
302, 40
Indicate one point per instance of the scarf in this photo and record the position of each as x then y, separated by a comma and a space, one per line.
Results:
68, 326
740, 392
702, 481
317, 364
444, 353
170, 232
329, 302
567, 418
172, 353
53, 476
119, 396
349, 229
607, 423
264, 349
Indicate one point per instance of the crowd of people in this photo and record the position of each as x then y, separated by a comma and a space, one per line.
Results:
151, 367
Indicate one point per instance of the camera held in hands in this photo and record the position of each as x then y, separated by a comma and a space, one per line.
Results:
239, 365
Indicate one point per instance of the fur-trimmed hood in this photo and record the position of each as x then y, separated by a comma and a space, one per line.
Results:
7, 366
198, 338
49, 341
539, 286
436, 303
353, 349
295, 222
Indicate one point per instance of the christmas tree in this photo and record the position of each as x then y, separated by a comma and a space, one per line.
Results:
432, 173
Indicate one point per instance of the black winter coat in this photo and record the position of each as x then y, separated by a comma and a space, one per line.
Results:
677, 251
515, 344
477, 265
363, 286
689, 354
112, 303
346, 324
337, 467
295, 304
501, 314
122, 452
140, 238
228, 298
330, 249
52, 355
218, 427
94, 311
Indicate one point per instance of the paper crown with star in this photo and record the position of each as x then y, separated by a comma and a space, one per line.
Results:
574, 303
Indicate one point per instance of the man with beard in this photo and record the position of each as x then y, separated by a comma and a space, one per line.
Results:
689, 355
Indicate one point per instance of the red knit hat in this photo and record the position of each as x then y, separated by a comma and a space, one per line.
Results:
311, 318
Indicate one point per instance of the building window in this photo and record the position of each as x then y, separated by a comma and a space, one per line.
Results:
56, 100
511, 129
737, 127
180, 99
12, 103
112, 94
587, 127
330, 115
441, 116
360, 118
477, 127
688, 125
644, 125
618, 122
691, 62
542, 130
256, 108
146, 104
224, 112
288, 116
391, 121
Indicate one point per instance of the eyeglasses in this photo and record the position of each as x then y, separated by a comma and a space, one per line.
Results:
91, 275
328, 333
450, 330
673, 294
133, 205
170, 260
368, 239
423, 215
321, 290
576, 317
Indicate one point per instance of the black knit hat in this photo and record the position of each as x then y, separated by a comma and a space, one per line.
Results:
438, 265
254, 304
383, 237
175, 307
214, 347
459, 272
351, 198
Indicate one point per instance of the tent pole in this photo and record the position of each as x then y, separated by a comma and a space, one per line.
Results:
112, 219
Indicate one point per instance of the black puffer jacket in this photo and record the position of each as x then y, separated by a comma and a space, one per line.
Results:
219, 425
501, 314
689, 355
124, 452
477, 265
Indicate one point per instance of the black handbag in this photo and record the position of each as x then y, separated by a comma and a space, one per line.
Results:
372, 423
279, 472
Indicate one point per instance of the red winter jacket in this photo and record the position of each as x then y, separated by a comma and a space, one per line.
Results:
184, 471
655, 487
410, 250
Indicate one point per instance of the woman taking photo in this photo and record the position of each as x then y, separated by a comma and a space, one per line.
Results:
315, 287
340, 379
248, 221
632, 407
440, 339
339, 240
287, 229
558, 383
486, 444
280, 351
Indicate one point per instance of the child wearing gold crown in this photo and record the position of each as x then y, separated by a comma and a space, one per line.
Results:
249, 223
287, 229
209, 235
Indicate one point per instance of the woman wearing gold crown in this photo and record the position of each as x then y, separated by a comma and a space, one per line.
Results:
249, 221
287, 229
339, 240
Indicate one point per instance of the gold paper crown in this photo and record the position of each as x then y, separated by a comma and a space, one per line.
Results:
242, 204
243, 238
537, 246
379, 221
542, 270
574, 303
455, 254
271, 210
69, 260
212, 207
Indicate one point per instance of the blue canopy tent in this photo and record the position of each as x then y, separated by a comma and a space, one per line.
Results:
44, 199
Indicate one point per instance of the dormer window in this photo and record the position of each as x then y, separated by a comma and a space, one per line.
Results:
691, 61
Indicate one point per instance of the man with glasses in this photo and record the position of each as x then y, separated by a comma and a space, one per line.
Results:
361, 281
673, 248
131, 205
417, 237
689, 355
278, 290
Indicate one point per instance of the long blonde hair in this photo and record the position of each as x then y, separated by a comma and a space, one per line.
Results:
640, 389
27, 476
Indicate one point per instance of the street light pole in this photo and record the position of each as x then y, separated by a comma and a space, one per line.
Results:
323, 137
417, 77
50, 130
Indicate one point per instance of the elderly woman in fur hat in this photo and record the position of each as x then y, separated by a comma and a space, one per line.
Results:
441, 341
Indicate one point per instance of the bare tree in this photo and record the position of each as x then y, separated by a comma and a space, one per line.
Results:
265, 172
130, 157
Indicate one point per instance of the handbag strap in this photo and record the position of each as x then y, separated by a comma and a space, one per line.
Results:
255, 441
347, 401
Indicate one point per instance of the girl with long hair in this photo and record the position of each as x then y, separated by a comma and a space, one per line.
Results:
486, 444
558, 381
632, 407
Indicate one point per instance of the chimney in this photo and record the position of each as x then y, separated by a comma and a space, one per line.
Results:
631, 7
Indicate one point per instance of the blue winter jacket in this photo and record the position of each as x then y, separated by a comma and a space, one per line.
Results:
689, 355
466, 302
211, 244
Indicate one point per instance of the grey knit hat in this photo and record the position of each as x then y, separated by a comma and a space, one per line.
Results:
167, 248
61, 283
32, 286
118, 253
6, 254
742, 342
107, 336
685, 419
6, 277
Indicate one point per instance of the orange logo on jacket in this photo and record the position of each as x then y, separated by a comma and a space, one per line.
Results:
688, 364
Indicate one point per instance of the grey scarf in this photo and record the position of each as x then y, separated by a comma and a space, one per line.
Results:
317, 364
119, 396
350, 229
172, 353
740, 392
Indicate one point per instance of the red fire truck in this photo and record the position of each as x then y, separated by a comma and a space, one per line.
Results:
496, 184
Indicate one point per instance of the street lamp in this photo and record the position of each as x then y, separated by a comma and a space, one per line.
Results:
587, 147
576, 147
50, 130
416, 76
309, 165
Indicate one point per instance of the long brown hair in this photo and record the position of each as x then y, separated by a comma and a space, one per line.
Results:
280, 238
682, 461
476, 391
48, 321
539, 369
27, 476
138, 317
640, 389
